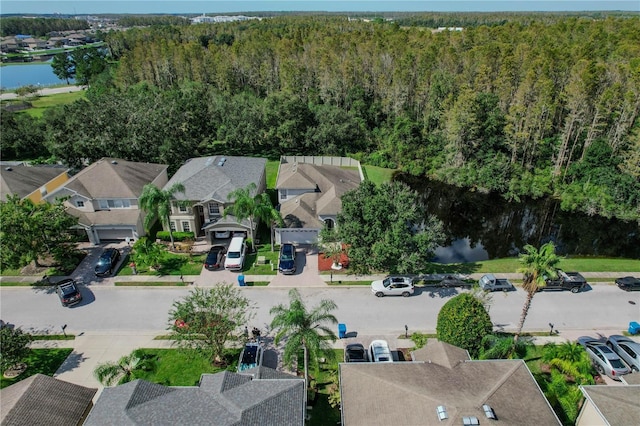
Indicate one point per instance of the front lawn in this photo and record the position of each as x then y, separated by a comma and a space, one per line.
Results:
322, 412
171, 264
43, 361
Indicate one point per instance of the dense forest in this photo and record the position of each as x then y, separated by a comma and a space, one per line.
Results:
39, 26
524, 107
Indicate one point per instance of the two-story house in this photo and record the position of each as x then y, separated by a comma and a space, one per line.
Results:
309, 191
104, 197
32, 182
208, 181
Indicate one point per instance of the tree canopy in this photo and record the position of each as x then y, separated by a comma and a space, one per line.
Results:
384, 229
464, 322
14, 346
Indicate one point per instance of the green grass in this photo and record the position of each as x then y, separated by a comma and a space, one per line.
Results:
53, 337
42, 103
271, 257
172, 264
257, 283
272, 173
14, 284
181, 368
43, 361
322, 413
378, 175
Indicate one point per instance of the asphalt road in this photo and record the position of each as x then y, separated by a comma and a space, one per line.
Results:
122, 310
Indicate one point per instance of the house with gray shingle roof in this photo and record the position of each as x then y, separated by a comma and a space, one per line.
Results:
30, 181
309, 191
208, 181
221, 399
104, 196
611, 405
442, 386
43, 401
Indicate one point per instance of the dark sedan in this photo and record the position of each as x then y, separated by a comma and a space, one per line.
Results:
628, 283
214, 258
287, 263
107, 262
355, 352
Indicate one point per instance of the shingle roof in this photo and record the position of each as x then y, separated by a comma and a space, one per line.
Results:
440, 353
507, 386
619, 405
22, 180
205, 179
114, 178
328, 183
44, 400
223, 398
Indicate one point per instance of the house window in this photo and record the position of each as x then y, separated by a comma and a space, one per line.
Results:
172, 225
114, 204
283, 194
182, 208
79, 203
186, 226
329, 224
214, 209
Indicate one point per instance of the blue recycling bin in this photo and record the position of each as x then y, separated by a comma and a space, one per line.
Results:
634, 327
241, 280
342, 331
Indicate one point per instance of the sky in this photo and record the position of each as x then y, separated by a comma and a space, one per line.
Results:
225, 6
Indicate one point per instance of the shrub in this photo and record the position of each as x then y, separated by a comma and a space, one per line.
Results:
463, 322
177, 236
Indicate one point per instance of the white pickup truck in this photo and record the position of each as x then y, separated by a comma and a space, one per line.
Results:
489, 282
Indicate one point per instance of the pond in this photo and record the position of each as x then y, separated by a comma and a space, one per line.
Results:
37, 74
486, 226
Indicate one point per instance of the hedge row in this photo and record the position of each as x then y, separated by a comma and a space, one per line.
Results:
177, 236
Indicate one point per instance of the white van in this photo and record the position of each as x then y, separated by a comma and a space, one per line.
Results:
235, 254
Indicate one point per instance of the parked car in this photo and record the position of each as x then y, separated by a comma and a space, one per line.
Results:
68, 292
573, 281
393, 286
107, 262
603, 358
628, 283
235, 254
251, 356
453, 281
214, 258
355, 352
221, 235
287, 260
489, 282
379, 351
627, 349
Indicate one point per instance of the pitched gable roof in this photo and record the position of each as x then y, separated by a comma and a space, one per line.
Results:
22, 180
44, 400
505, 385
211, 178
223, 398
617, 404
440, 353
114, 178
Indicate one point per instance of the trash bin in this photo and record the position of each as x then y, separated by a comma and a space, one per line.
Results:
241, 280
634, 327
342, 331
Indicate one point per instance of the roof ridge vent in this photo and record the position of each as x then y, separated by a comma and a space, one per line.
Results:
114, 162
9, 169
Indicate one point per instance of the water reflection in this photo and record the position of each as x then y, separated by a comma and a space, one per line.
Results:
485, 226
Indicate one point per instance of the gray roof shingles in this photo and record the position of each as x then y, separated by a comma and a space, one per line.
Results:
22, 180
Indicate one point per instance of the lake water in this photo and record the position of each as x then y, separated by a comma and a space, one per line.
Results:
37, 74
485, 226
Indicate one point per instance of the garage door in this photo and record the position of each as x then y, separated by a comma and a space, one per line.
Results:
114, 234
299, 236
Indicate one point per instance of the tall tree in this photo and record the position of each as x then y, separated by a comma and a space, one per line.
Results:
249, 205
157, 203
14, 346
304, 329
207, 319
31, 231
63, 66
537, 266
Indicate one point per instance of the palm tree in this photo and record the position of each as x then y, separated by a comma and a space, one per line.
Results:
157, 203
124, 370
249, 206
304, 329
537, 266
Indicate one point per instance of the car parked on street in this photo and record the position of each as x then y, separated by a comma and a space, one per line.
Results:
355, 352
214, 258
573, 281
451, 281
287, 260
379, 351
628, 283
107, 262
603, 358
68, 292
627, 349
393, 286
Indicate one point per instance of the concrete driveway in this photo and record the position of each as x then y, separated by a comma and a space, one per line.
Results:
306, 275
84, 273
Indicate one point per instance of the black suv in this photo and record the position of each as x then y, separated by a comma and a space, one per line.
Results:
107, 262
68, 292
287, 263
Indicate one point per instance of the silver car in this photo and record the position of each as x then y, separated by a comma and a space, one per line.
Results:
604, 359
627, 349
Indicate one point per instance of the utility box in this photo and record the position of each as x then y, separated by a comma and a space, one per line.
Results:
241, 280
634, 327
342, 331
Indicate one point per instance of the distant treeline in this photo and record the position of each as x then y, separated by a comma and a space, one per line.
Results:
527, 108
39, 27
